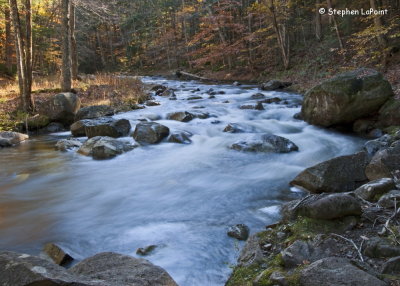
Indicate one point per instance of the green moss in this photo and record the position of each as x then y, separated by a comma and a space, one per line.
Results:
391, 130
244, 275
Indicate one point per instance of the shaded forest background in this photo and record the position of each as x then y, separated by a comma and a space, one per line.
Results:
225, 39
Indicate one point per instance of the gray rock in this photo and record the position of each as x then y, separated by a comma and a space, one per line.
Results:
57, 254
182, 116
234, 128
251, 252
180, 137
53, 127
258, 106
62, 107
278, 278
389, 114
159, 89
340, 174
239, 231
8, 138
65, 145
275, 85
118, 269
194, 98
23, 269
346, 98
168, 93
150, 132
384, 163
115, 128
257, 96
377, 247
152, 103
392, 266
374, 189
334, 271
104, 147
92, 112
328, 206
78, 128
266, 143
301, 251
271, 100
388, 200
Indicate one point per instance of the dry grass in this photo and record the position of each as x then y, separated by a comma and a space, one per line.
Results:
120, 92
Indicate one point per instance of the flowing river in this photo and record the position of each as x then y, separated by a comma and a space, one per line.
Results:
177, 196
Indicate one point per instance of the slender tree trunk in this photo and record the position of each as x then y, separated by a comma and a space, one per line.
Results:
29, 48
9, 48
73, 47
378, 25
66, 82
23, 77
100, 45
318, 25
281, 36
332, 17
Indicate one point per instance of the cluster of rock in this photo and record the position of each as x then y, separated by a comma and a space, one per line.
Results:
9, 139
103, 269
344, 232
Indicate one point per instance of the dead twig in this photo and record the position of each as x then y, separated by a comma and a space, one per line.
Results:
352, 243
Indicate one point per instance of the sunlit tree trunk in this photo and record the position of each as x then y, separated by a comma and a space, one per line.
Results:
66, 83
73, 47
333, 19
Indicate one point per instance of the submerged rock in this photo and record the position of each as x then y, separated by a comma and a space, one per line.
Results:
267, 143
65, 145
92, 112
150, 132
104, 147
340, 174
257, 96
143, 251
346, 98
180, 137
118, 269
8, 138
182, 116
239, 231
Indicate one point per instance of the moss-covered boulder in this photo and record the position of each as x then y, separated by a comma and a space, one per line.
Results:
389, 114
346, 98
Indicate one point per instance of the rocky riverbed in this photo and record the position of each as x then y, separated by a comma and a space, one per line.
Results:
187, 164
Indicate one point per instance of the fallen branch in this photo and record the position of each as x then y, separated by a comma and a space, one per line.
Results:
190, 76
353, 243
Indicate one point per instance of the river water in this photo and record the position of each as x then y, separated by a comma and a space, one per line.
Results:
179, 197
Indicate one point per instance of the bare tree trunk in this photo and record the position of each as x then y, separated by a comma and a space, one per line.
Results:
283, 41
66, 82
318, 25
29, 48
23, 81
9, 48
73, 48
332, 17
100, 45
378, 25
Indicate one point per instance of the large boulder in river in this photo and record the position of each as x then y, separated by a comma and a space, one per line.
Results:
115, 128
334, 271
101, 148
9, 138
340, 174
92, 112
346, 98
23, 269
267, 143
101, 127
150, 132
118, 269
63, 107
